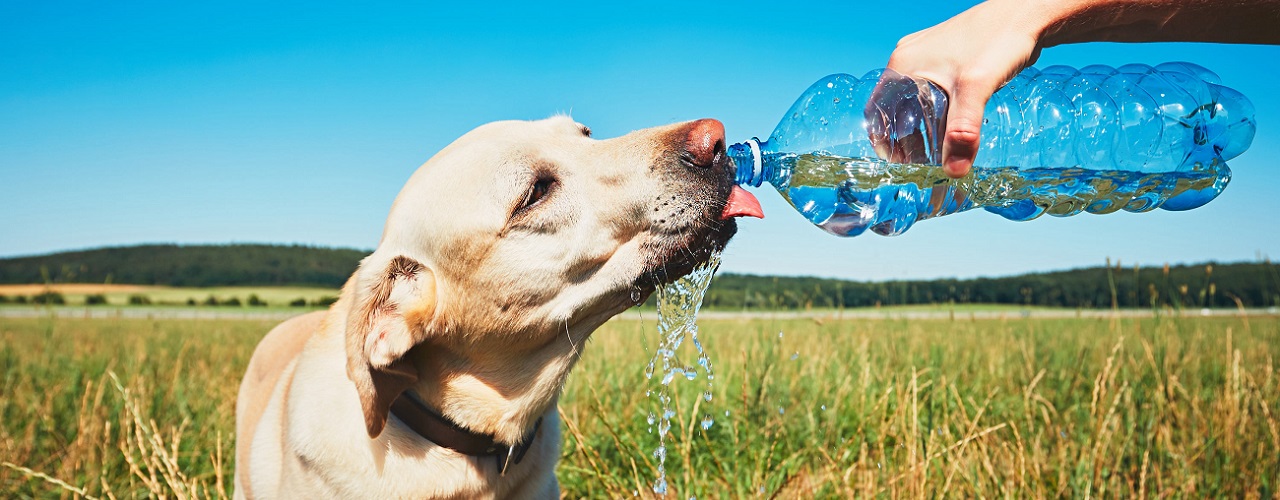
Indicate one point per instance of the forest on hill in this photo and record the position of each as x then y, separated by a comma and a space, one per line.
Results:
1248, 284
1201, 285
189, 266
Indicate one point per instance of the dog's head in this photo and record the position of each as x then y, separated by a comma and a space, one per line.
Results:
522, 232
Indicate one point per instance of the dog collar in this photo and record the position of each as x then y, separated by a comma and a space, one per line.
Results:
442, 431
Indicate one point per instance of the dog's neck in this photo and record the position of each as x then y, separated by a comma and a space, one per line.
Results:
492, 390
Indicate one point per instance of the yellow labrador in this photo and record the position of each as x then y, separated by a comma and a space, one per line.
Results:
436, 374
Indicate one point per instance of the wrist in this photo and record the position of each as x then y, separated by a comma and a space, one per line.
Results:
1055, 20
1037, 20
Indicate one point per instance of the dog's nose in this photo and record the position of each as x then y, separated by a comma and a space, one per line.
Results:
704, 142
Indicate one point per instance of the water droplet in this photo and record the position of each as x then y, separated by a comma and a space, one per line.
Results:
706, 396
726, 413
651, 419
824, 407
795, 355
660, 453
648, 371
660, 486
707, 421
831, 85
782, 411
635, 295
779, 333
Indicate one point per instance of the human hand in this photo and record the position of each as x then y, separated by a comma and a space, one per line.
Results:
970, 56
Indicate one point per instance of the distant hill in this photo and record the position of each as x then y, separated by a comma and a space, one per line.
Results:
1254, 284
189, 266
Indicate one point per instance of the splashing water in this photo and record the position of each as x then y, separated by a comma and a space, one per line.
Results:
678, 305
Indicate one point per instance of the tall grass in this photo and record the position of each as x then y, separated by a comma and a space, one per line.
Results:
1021, 408
120, 408
1013, 408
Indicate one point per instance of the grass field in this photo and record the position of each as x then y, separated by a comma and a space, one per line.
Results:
1183, 407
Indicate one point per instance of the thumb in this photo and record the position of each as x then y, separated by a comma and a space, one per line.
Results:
964, 123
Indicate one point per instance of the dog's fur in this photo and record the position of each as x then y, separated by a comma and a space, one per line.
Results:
499, 258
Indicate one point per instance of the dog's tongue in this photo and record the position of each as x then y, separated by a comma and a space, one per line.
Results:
742, 203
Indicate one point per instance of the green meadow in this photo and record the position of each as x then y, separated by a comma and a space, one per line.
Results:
1012, 407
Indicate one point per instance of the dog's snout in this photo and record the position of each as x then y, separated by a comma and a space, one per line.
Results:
704, 141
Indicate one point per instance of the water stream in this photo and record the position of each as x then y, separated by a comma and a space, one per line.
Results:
678, 305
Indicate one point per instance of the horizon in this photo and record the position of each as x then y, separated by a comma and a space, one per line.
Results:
195, 124
1115, 265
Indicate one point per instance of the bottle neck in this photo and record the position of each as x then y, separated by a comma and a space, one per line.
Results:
748, 162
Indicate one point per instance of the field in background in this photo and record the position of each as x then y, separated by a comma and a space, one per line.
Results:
276, 296
118, 295
1013, 408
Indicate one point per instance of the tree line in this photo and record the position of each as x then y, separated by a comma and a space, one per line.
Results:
1250, 284
1183, 286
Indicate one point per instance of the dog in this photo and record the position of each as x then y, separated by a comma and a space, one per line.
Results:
436, 373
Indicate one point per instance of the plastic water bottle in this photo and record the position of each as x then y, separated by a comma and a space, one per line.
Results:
858, 153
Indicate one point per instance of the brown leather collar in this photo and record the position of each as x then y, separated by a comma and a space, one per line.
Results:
444, 432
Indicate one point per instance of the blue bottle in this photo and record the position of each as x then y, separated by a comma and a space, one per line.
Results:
862, 153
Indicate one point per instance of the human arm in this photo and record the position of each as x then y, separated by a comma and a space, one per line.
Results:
972, 54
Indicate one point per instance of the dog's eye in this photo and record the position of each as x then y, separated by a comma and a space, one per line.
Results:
586, 130
536, 193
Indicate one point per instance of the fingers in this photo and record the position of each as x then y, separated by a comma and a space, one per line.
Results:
894, 114
964, 125
959, 147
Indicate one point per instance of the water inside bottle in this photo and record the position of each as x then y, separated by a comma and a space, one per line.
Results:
678, 305
847, 196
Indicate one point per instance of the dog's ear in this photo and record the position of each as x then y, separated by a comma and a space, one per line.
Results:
392, 308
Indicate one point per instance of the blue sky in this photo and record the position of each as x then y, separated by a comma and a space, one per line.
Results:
125, 123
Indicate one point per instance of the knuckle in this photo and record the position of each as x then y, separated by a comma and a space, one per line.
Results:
963, 129
962, 136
